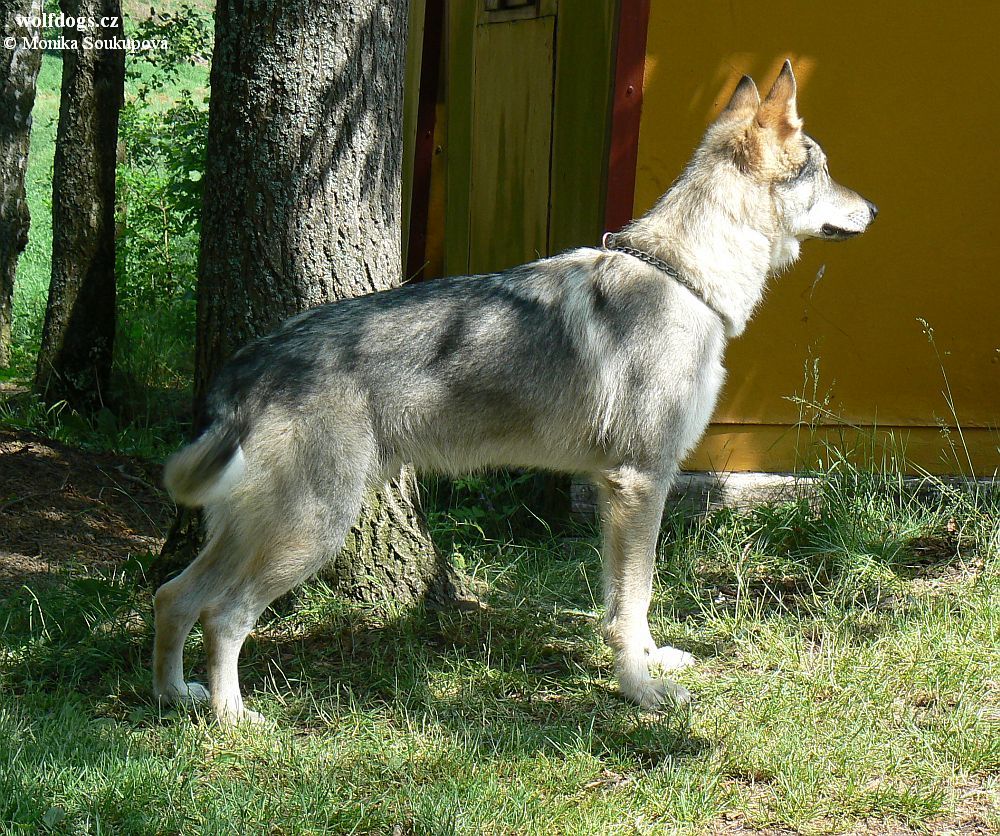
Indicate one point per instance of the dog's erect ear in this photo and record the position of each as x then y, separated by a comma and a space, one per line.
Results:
736, 122
779, 111
744, 101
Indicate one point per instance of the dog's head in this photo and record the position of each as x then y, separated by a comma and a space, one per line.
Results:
787, 168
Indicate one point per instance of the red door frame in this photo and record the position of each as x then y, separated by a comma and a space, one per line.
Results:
626, 112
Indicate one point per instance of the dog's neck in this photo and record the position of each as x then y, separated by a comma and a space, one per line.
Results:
720, 253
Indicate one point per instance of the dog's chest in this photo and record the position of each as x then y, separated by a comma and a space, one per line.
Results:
692, 379
705, 394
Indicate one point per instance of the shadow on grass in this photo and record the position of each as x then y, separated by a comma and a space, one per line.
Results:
522, 676
502, 677
526, 675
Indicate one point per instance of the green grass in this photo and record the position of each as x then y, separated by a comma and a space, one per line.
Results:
848, 678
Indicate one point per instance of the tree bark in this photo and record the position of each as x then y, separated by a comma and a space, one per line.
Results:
74, 362
302, 206
390, 557
303, 177
19, 71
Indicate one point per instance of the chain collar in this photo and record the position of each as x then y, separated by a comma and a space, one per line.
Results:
609, 242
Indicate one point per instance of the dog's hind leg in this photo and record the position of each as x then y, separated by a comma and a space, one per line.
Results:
227, 587
177, 606
290, 532
631, 510
285, 558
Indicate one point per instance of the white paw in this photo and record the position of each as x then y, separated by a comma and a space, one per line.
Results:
237, 714
642, 680
655, 693
254, 718
246, 717
669, 659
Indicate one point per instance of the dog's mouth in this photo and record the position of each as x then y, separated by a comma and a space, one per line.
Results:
837, 233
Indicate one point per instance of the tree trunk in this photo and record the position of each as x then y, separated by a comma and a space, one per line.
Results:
389, 555
302, 206
20, 67
74, 363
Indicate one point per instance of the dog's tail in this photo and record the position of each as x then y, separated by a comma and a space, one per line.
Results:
206, 471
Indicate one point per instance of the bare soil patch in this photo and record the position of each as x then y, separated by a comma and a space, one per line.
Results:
60, 505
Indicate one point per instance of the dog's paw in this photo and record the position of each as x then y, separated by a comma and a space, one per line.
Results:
663, 693
244, 717
654, 692
185, 694
233, 712
669, 659
253, 718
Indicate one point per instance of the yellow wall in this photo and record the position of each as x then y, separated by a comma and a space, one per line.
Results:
905, 98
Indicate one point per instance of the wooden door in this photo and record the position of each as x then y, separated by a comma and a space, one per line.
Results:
511, 142
527, 99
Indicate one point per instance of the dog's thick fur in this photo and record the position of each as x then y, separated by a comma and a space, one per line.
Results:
591, 362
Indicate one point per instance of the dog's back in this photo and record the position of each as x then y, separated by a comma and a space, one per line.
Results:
560, 364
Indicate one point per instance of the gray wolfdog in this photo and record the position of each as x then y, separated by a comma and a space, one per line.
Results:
604, 362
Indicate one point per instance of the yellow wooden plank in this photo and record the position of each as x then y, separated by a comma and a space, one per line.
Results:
511, 149
778, 447
584, 81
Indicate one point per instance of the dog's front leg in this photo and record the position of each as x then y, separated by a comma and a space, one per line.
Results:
631, 510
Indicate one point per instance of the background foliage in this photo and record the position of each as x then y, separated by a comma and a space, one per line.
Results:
162, 135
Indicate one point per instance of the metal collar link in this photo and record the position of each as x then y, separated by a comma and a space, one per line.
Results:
608, 242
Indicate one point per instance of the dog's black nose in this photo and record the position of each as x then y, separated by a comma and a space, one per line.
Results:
873, 209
